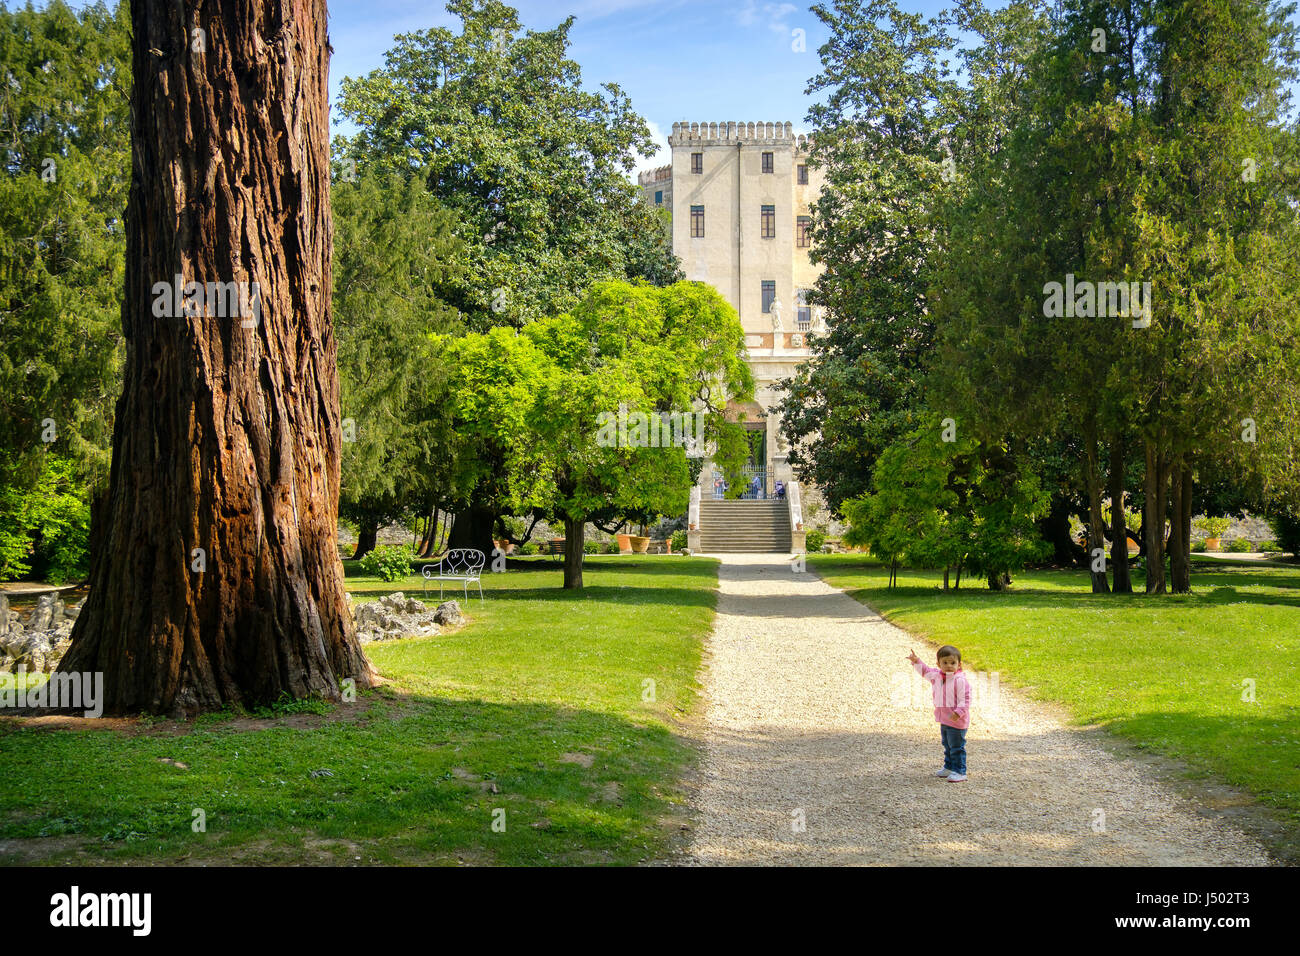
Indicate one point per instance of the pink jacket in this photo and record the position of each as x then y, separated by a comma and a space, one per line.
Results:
951, 695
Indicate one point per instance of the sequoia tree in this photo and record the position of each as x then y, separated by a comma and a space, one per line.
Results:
216, 577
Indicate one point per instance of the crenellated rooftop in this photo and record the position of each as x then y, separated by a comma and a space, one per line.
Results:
728, 134
648, 177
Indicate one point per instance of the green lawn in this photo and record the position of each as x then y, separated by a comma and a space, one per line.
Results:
1166, 672
504, 714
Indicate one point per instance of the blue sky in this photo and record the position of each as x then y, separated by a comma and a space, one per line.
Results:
678, 60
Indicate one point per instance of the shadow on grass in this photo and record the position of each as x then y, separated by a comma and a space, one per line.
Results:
1216, 586
621, 582
1267, 745
405, 778
626, 596
420, 779
666, 565
903, 599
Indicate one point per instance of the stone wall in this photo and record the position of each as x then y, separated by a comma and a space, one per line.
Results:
36, 640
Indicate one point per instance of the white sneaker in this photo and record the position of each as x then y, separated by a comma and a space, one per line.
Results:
956, 777
942, 773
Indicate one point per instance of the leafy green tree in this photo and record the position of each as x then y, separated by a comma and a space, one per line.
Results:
878, 138
953, 504
906, 515
1125, 163
533, 164
395, 257
1219, 80
64, 145
539, 406
1060, 171
47, 526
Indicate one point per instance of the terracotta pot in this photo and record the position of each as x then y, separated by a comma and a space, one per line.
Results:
624, 543
1211, 544
640, 544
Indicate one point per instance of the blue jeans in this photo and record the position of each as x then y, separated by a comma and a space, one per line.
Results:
954, 748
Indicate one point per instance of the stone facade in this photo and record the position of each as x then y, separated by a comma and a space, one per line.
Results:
744, 186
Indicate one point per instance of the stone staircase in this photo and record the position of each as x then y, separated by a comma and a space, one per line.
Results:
752, 526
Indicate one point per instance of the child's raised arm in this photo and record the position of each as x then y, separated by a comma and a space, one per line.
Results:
920, 666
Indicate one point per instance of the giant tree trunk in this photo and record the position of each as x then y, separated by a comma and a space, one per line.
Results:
1118, 524
217, 577
573, 540
1092, 479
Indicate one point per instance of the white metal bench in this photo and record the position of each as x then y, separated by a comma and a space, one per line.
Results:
460, 564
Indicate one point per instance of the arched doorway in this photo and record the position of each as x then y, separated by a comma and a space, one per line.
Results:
753, 481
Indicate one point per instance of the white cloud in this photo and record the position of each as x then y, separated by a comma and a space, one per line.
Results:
775, 16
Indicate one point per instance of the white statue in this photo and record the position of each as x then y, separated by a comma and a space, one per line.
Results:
819, 319
776, 316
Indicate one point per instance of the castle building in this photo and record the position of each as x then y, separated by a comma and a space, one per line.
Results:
740, 195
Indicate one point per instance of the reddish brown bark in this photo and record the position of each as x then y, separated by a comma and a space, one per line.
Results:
430, 535
227, 432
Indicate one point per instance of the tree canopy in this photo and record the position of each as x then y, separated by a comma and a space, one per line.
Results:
535, 404
1073, 247
533, 164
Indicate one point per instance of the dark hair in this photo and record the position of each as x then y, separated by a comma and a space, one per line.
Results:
948, 651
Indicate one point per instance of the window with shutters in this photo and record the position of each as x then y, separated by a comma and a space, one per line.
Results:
801, 236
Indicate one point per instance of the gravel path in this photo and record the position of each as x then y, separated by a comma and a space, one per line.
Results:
813, 714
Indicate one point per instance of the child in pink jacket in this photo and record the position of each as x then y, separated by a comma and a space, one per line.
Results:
951, 708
